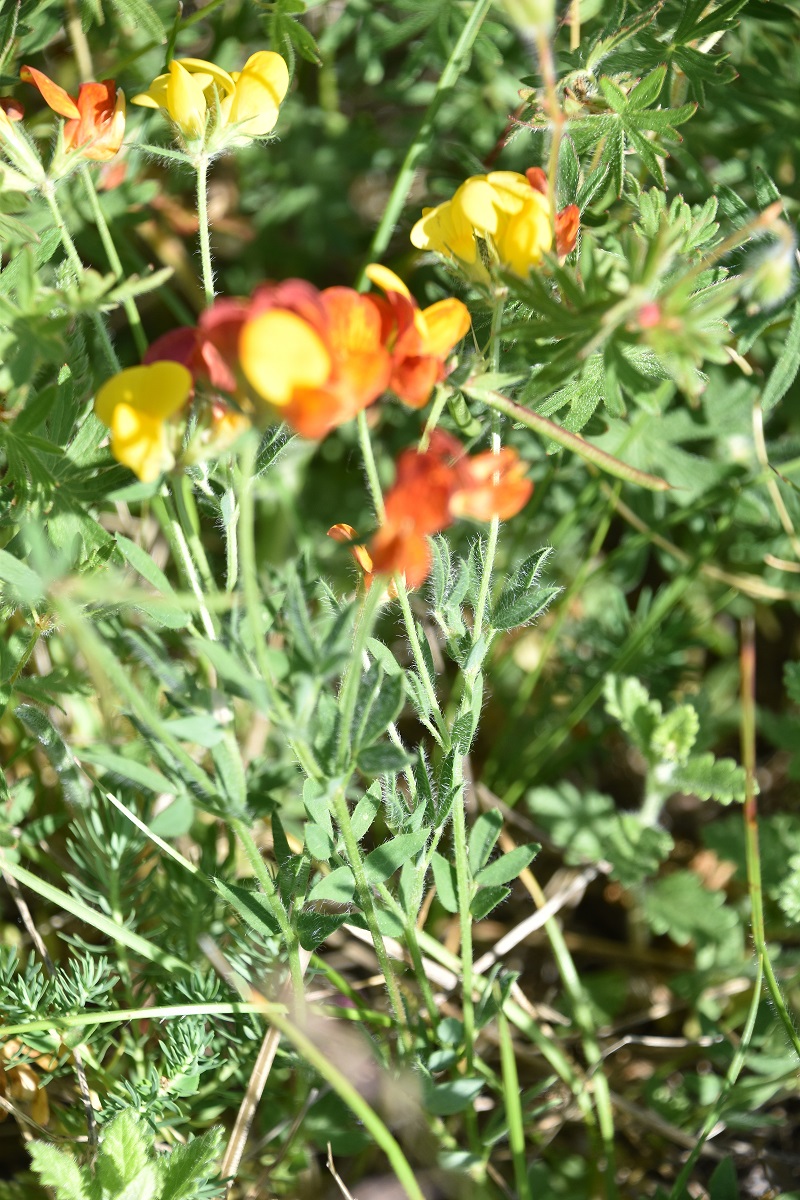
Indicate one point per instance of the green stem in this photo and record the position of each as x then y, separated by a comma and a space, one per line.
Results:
75, 259
511, 1093
753, 857
129, 304
262, 874
456, 63
351, 1096
348, 695
464, 888
203, 229
365, 899
368, 456
190, 524
171, 526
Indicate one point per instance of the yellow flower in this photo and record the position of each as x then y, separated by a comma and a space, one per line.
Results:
246, 103
498, 218
136, 405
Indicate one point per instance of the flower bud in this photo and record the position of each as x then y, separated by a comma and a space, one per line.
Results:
531, 16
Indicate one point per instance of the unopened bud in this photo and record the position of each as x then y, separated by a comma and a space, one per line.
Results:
531, 16
770, 273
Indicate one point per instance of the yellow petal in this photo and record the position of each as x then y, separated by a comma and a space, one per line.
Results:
383, 278
525, 236
279, 352
159, 390
156, 94
259, 90
186, 101
477, 201
139, 441
210, 72
446, 322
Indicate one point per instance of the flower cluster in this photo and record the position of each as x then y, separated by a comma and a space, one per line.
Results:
500, 219
239, 106
313, 358
432, 488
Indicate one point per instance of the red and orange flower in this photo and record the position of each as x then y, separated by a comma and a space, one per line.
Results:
432, 488
419, 340
95, 124
316, 357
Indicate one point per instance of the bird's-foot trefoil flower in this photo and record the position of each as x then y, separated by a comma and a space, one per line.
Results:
137, 406
419, 340
315, 357
95, 120
214, 109
434, 487
500, 220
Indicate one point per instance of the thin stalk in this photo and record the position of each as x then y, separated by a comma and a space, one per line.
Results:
129, 304
511, 1095
731, 1075
753, 858
75, 259
464, 888
368, 456
366, 900
186, 505
262, 874
168, 519
405, 176
203, 229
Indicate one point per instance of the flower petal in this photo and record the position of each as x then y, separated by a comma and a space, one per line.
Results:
385, 279
258, 91
158, 390
446, 323
54, 96
186, 101
139, 441
280, 352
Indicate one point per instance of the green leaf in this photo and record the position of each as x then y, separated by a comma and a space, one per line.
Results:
444, 876
58, 1170
122, 767
23, 584
139, 14
710, 778
487, 899
482, 838
382, 862
339, 887
782, 375
314, 928
383, 759
681, 907
723, 1184
445, 1099
61, 757
252, 907
124, 1151
508, 866
676, 733
142, 1187
628, 702
190, 1165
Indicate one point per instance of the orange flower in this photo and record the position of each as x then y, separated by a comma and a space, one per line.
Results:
492, 485
420, 340
95, 121
434, 487
315, 356
12, 108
